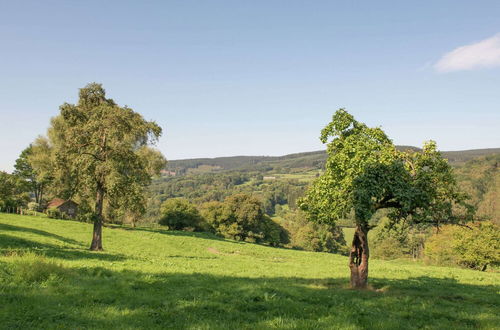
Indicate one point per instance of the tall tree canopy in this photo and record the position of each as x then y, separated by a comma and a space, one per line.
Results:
102, 156
364, 173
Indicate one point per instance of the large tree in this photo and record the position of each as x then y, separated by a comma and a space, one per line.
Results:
365, 173
102, 156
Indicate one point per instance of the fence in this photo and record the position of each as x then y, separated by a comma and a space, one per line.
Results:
18, 210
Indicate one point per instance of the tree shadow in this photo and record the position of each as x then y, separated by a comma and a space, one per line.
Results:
12, 244
203, 235
6, 227
101, 298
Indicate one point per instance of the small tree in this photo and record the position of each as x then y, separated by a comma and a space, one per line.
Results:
364, 172
179, 214
34, 167
13, 192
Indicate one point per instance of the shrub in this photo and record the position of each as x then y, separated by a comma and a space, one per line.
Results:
180, 214
476, 247
54, 213
311, 236
397, 240
85, 217
32, 206
388, 248
439, 247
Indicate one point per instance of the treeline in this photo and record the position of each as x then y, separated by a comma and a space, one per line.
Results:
480, 179
242, 217
291, 162
200, 188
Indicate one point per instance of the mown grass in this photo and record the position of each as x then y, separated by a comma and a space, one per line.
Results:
150, 279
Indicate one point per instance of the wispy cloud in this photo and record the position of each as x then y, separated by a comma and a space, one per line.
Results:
482, 54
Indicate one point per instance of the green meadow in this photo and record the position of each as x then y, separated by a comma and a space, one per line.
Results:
153, 278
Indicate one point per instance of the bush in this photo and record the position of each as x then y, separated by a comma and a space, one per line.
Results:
180, 214
54, 213
397, 240
439, 247
388, 248
479, 247
476, 247
32, 206
311, 236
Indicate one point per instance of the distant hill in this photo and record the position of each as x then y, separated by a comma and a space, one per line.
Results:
303, 160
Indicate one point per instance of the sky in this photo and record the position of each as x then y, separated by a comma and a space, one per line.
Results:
259, 77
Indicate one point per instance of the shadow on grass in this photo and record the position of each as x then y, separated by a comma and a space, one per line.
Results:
203, 235
101, 298
10, 244
5, 227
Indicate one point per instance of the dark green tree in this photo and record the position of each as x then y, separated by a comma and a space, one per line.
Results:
179, 214
34, 167
241, 217
101, 154
364, 172
13, 192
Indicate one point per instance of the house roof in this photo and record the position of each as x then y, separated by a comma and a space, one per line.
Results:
56, 202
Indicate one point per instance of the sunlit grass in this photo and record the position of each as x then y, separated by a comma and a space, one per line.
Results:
149, 278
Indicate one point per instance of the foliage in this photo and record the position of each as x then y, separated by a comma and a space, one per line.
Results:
365, 172
293, 162
34, 167
240, 217
206, 187
480, 178
33, 206
397, 240
55, 213
185, 280
353, 150
439, 247
311, 236
476, 246
102, 154
180, 214
13, 192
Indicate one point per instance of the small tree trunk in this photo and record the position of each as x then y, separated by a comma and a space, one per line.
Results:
97, 234
358, 258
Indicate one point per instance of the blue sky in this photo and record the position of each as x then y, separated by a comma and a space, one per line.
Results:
256, 77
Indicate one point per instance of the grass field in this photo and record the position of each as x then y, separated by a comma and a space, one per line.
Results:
157, 279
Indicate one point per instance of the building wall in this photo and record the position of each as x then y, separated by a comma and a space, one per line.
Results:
69, 208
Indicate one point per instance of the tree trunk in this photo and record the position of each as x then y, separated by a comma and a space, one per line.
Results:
97, 234
358, 258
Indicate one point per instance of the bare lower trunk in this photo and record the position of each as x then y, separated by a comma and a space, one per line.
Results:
358, 258
97, 234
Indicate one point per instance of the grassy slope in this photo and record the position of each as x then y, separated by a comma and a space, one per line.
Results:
157, 279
